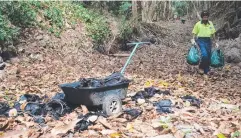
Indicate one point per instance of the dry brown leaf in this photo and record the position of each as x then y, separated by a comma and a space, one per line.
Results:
28, 124
115, 116
179, 134
4, 124
20, 118
164, 136
199, 128
104, 122
84, 109
64, 128
23, 105
97, 127
187, 114
107, 132
121, 120
23, 133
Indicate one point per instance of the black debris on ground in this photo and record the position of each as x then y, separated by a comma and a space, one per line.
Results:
131, 114
193, 100
164, 106
148, 93
4, 108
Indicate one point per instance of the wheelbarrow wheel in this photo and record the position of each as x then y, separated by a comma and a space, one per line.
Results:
112, 105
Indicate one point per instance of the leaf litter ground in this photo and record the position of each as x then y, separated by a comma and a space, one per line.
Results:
163, 67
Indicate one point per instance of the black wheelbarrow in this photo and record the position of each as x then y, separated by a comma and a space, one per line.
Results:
110, 96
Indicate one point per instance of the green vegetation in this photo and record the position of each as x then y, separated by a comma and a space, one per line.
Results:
56, 16
53, 16
7, 32
180, 7
126, 28
96, 24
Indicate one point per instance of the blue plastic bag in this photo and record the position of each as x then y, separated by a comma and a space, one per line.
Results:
217, 58
193, 57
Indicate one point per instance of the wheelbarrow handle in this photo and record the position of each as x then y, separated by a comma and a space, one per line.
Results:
132, 53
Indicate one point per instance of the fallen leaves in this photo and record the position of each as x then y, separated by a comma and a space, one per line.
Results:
107, 132
104, 122
64, 128
115, 135
179, 134
220, 135
4, 123
43, 77
84, 109
130, 127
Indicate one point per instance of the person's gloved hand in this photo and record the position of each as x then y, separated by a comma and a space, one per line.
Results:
216, 45
193, 42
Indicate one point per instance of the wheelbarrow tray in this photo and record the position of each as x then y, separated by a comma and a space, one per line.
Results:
92, 96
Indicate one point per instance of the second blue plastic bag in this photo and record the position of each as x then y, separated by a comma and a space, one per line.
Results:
217, 58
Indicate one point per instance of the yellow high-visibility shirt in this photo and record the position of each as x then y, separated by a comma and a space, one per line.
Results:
202, 30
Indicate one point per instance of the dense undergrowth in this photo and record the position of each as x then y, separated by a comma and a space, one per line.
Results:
56, 17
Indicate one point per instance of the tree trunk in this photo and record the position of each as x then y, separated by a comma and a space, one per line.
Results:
134, 10
144, 10
195, 9
158, 11
164, 9
152, 10
139, 10
169, 9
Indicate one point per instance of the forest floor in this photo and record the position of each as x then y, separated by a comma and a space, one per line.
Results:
48, 61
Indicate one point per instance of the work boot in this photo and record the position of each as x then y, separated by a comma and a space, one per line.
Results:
200, 71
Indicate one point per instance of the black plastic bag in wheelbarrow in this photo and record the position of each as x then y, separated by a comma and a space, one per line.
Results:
113, 79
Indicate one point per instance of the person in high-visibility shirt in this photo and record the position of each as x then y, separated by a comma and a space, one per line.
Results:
204, 34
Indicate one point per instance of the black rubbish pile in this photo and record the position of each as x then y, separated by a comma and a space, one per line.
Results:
148, 93
35, 107
56, 107
85, 121
193, 100
4, 108
164, 106
131, 114
113, 79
